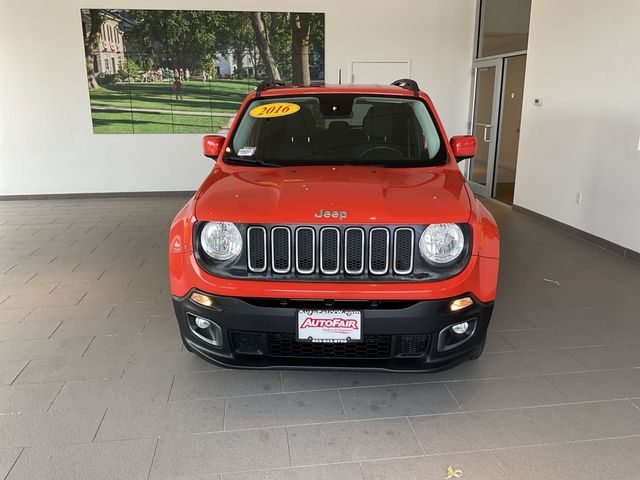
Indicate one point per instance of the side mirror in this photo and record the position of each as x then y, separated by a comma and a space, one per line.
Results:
212, 145
463, 146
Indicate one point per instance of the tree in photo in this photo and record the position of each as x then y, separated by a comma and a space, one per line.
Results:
175, 38
91, 25
300, 30
236, 37
264, 47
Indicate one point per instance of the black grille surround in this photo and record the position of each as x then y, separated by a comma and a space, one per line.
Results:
323, 253
372, 347
286, 345
397, 336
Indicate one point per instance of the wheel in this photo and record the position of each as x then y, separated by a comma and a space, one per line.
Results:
479, 352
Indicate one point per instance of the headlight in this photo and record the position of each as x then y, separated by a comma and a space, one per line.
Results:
221, 240
441, 243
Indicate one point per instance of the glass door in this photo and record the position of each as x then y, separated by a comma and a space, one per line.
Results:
488, 84
509, 136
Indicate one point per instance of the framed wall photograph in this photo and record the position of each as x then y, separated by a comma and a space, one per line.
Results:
187, 71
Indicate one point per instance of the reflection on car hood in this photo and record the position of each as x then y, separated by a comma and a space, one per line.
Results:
364, 194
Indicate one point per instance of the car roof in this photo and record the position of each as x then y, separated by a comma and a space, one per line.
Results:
344, 88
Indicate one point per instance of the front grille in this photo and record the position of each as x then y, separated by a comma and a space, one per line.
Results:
286, 345
257, 246
412, 345
336, 253
329, 250
246, 342
403, 251
308, 251
281, 249
379, 251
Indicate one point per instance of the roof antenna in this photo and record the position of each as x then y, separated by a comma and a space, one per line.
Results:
340, 76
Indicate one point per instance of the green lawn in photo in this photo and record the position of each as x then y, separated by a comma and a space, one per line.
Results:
221, 97
126, 122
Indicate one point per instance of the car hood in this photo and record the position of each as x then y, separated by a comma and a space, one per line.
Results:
359, 195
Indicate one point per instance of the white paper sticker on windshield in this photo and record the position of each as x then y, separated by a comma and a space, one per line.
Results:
246, 151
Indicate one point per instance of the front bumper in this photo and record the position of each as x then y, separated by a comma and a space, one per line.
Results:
402, 335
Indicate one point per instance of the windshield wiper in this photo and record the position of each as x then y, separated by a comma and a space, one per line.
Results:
249, 161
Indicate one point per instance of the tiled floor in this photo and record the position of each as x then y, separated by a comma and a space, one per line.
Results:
94, 383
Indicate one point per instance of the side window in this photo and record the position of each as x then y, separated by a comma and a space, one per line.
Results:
428, 128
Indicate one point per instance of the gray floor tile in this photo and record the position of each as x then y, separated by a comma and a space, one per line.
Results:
620, 335
283, 409
496, 342
8, 456
294, 381
44, 277
9, 370
13, 315
476, 466
462, 432
28, 289
27, 331
115, 392
139, 421
15, 277
141, 309
593, 460
224, 383
73, 369
598, 358
225, 452
352, 441
541, 339
162, 325
602, 385
52, 300
397, 401
131, 344
99, 328
507, 393
69, 313
44, 349
593, 317
512, 364
27, 397
502, 320
145, 364
49, 428
128, 460
341, 471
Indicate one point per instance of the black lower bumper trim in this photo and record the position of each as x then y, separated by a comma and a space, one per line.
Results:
402, 337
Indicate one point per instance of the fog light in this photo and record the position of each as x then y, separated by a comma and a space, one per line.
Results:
202, 323
460, 304
202, 299
459, 328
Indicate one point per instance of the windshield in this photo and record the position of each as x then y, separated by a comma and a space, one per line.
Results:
337, 129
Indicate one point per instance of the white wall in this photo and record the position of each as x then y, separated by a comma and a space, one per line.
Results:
46, 139
583, 59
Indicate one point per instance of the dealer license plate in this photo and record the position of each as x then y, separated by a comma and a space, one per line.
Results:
329, 326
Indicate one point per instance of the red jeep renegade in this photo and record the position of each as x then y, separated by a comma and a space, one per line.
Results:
335, 232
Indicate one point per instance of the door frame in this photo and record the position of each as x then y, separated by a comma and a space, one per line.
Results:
406, 61
493, 128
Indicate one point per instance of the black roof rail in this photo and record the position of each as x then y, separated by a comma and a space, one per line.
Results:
267, 84
408, 84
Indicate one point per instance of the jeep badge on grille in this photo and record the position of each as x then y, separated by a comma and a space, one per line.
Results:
331, 214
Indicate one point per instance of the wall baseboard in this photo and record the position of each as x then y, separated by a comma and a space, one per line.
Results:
68, 196
581, 234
